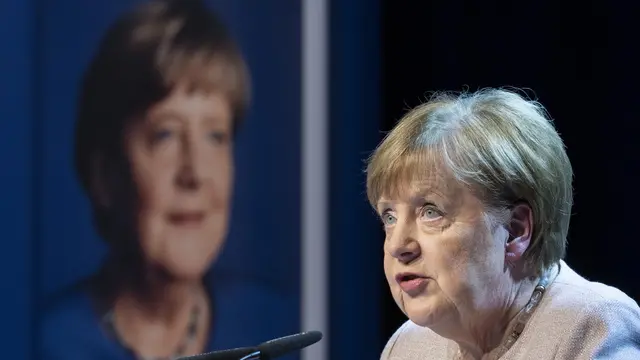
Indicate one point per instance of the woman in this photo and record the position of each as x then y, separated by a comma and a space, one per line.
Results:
159, 107
474, 192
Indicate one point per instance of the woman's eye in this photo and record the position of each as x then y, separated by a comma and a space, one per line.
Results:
388, 219
219, 137
430, 213
160, 135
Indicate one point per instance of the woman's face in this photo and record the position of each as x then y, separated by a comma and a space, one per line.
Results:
443, 260
181, 159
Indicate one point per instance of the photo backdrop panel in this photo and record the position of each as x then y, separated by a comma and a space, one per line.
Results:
263, 245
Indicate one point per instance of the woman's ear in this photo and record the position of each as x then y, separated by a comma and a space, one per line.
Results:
520, 227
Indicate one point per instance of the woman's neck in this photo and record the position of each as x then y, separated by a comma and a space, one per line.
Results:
155, 322
490, 331
163, 302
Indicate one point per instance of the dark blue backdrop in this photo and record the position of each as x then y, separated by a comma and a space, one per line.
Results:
355, 237
17, 107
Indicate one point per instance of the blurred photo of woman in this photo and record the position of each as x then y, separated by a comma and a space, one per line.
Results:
159, 107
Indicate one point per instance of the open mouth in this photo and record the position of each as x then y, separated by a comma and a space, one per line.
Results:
408, 277
411, 283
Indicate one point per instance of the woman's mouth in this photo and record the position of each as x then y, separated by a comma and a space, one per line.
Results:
411, 283
186, 218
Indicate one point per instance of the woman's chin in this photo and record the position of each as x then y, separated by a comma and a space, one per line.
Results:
182, 270
421, 319
424, 314
186, 263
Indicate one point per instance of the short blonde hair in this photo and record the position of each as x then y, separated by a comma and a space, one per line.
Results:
499, 144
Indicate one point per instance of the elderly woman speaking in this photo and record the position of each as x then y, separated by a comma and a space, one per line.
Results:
474, 192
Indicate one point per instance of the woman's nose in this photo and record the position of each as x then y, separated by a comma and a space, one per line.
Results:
403, 245
189, 176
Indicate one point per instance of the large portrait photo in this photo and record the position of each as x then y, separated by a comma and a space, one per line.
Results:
171, 224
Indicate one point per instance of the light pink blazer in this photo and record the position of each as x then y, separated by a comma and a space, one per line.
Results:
576, 319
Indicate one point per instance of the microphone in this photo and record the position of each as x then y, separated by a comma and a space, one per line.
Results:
278, 347
266, 351
231, 354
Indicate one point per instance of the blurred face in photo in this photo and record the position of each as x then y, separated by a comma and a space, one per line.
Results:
181, 157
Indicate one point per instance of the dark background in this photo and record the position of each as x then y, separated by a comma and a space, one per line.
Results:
576, 59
